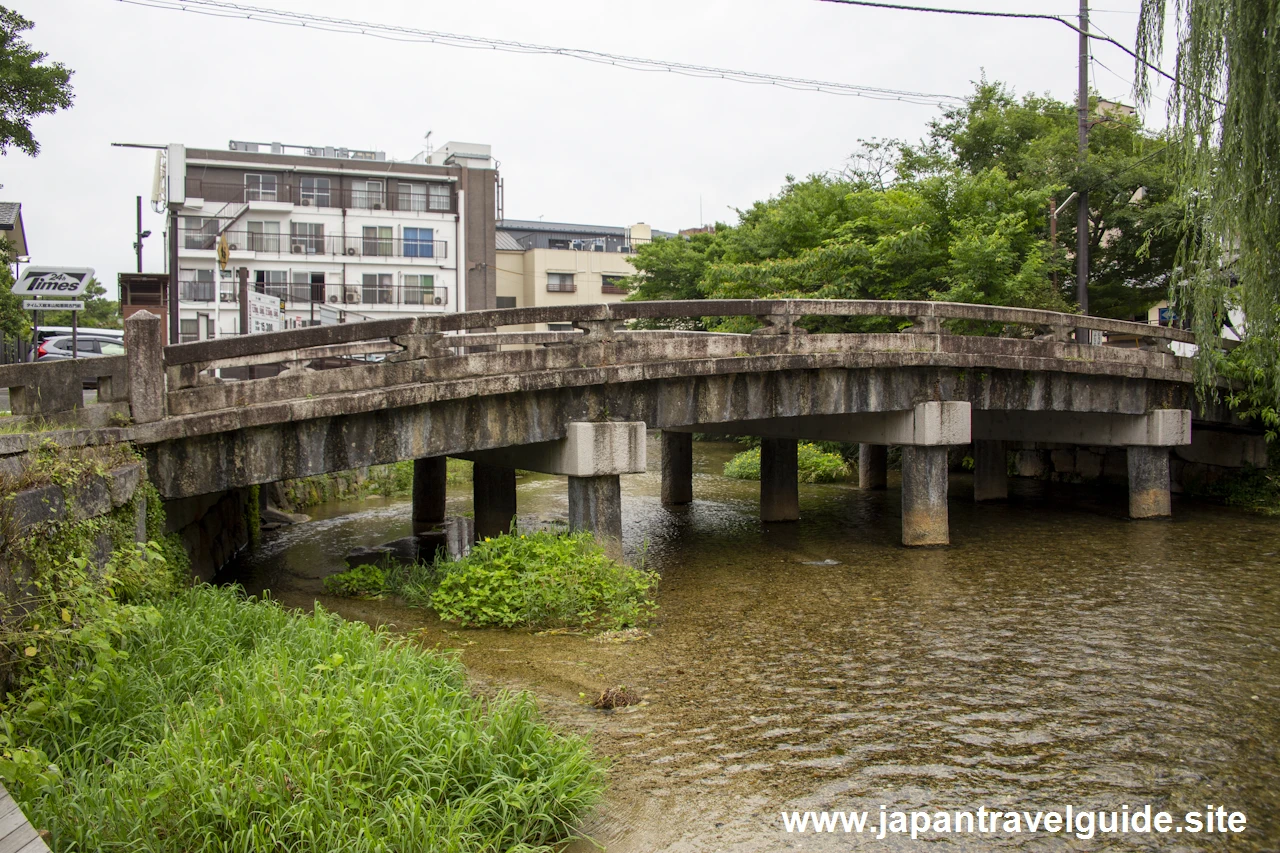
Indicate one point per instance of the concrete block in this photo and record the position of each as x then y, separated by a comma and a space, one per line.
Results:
124, 482
1159, 428
1225, 449
873, 466
924, 496
45, 387
677, 468
595, 504
145, 352
430, 476
587, 450
1148, 482
1088, 464
779, 480
990, 471
494, 499
1031, 463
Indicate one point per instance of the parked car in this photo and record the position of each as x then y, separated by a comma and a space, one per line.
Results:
87, 346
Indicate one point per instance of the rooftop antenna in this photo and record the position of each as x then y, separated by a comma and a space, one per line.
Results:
426, 143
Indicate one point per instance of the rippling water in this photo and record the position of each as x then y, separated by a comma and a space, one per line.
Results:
1057, 653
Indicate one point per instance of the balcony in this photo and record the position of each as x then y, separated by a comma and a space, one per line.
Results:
308, 245
397, 200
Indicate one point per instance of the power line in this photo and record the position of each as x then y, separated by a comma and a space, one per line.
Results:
876, 4
393, 32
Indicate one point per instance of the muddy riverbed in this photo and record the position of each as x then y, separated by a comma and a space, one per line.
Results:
1057, 653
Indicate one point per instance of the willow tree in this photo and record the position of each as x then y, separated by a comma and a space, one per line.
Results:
1224, 109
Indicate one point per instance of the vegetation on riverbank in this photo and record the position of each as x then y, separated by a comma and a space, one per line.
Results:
815, 465
143, 713
1257, 489
392, 481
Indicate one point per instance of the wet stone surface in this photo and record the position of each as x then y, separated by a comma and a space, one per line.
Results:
1056, 653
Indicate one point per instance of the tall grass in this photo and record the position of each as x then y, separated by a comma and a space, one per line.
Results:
227, 725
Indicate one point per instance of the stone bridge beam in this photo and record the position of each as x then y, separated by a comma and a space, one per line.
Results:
873, 467
592, 456
677, 468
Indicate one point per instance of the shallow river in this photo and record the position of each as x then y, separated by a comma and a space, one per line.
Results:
1057, 653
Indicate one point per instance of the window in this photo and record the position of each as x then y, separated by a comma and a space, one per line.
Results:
560, 282
418, 243
210, 331
259, 187
272, 282
264, 237
377, 240
188, 331
376, 288
439, 197
314, 192
195, 285
558, 243
412, 197
367, 195
112, 348
199, 233
420, 290
506, 302
613, 284
306, 238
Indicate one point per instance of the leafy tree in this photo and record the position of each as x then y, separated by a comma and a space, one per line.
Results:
28, 87
98, 313
1225, 116
14, 322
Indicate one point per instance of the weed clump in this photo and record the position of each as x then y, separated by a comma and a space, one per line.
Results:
815, 465
542, 580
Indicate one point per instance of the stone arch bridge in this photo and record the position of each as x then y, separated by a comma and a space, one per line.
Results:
221, 415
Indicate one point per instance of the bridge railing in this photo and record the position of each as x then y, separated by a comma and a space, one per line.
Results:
189, 366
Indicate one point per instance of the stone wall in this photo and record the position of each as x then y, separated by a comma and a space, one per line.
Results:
214, 528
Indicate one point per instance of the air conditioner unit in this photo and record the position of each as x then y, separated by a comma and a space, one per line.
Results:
334, 299
597, 247
624, 248
377, 205
297, 249
577, 245
233, 246
351, 250
226, 297
306, 202
352, 297
441, 298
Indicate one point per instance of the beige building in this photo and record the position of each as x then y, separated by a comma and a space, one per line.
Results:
556, 263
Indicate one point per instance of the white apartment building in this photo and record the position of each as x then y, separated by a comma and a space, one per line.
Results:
337, 235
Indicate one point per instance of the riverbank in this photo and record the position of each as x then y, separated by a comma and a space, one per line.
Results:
821, 665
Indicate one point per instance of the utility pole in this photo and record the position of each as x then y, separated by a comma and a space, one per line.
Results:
140, 235
1082, 204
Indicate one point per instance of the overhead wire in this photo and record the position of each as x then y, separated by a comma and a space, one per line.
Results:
396, 32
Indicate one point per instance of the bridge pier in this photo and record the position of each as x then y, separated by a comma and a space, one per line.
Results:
990, 471
494, 498
873, 467
779, 480
1148, 482
677, 468
595, 504
430, 476
924, 496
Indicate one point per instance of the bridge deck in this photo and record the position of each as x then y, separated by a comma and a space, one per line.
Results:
17, 835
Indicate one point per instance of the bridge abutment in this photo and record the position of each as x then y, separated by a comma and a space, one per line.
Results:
1148, 482
779, 480
990, 470
493, 498
430, 476
595, 504
873, 467
924, 496
677, 468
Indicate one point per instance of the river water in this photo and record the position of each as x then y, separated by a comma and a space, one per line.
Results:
1056, 654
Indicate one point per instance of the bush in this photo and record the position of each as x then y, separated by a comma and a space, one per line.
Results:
361, 582
816, 465
542, 580
211, 723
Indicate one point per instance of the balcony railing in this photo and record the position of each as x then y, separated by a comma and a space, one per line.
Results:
302, 296
358, 246
399, 199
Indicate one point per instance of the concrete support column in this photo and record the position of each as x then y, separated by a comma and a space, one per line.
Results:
779, 480
990, 471
595, 504
1148, 482
677, 468
494, 498
429, 477
924, 496
873, 466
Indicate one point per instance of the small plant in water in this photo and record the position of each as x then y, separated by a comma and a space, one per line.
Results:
815, 465
364, 581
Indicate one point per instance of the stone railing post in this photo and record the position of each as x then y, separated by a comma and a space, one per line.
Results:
144, 349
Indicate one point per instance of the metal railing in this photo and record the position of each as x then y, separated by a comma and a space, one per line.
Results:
397, 199
358, 246
304, 294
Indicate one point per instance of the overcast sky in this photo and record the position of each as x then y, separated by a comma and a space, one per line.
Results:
576, 141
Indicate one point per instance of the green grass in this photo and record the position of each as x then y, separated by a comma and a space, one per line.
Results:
815, 465
540, 580
211, 723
